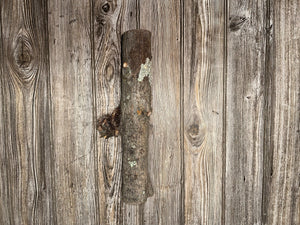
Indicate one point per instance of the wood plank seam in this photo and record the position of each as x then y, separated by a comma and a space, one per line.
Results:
182, 28
268, 81
94, 89
224, 111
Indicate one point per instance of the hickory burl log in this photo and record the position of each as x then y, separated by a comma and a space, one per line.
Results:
135, 115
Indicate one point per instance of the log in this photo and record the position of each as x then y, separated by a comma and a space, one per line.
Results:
135, 115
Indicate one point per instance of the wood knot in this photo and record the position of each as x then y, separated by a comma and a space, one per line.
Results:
24, 60
236, 22
195, 133
105, 7
23, 57
23, 52
193, 130
109, 72
103, 12
111, 64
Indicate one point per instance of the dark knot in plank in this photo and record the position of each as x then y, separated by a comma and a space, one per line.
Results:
195, 132
24, 61
236, 22
106, 7
22, 56
104, 14
23, 52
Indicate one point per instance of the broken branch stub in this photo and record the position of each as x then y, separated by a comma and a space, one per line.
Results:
135, 116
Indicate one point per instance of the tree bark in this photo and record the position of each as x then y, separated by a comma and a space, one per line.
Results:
136, 110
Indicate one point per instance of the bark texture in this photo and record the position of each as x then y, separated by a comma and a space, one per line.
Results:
135, 116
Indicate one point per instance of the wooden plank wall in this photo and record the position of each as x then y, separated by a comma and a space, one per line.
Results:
224, 143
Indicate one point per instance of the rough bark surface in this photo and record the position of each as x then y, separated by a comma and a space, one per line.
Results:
135, 116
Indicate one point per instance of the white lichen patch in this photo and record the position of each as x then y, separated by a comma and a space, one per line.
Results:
145, 71
132, 163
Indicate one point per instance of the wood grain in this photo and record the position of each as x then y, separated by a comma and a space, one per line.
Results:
133, 214
281, 189
106, 40
26, 171
244, 111
203, 110
224, 137
130, 15
72, 108
165, 153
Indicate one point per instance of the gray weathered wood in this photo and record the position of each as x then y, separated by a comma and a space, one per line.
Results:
60, 71
72, 111
165, 157
203, 38
26, 171
130, 15
281, 189
106, 41
244, 111
133, 214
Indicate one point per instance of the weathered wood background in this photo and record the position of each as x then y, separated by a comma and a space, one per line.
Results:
224, 140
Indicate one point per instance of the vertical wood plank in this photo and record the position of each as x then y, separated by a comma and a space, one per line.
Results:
244, 111
72, 107
26, 182
281, 196
106, 20
130, 15
162, 18
203, 110
133, 214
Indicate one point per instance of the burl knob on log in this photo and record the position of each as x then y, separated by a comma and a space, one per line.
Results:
135, 115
